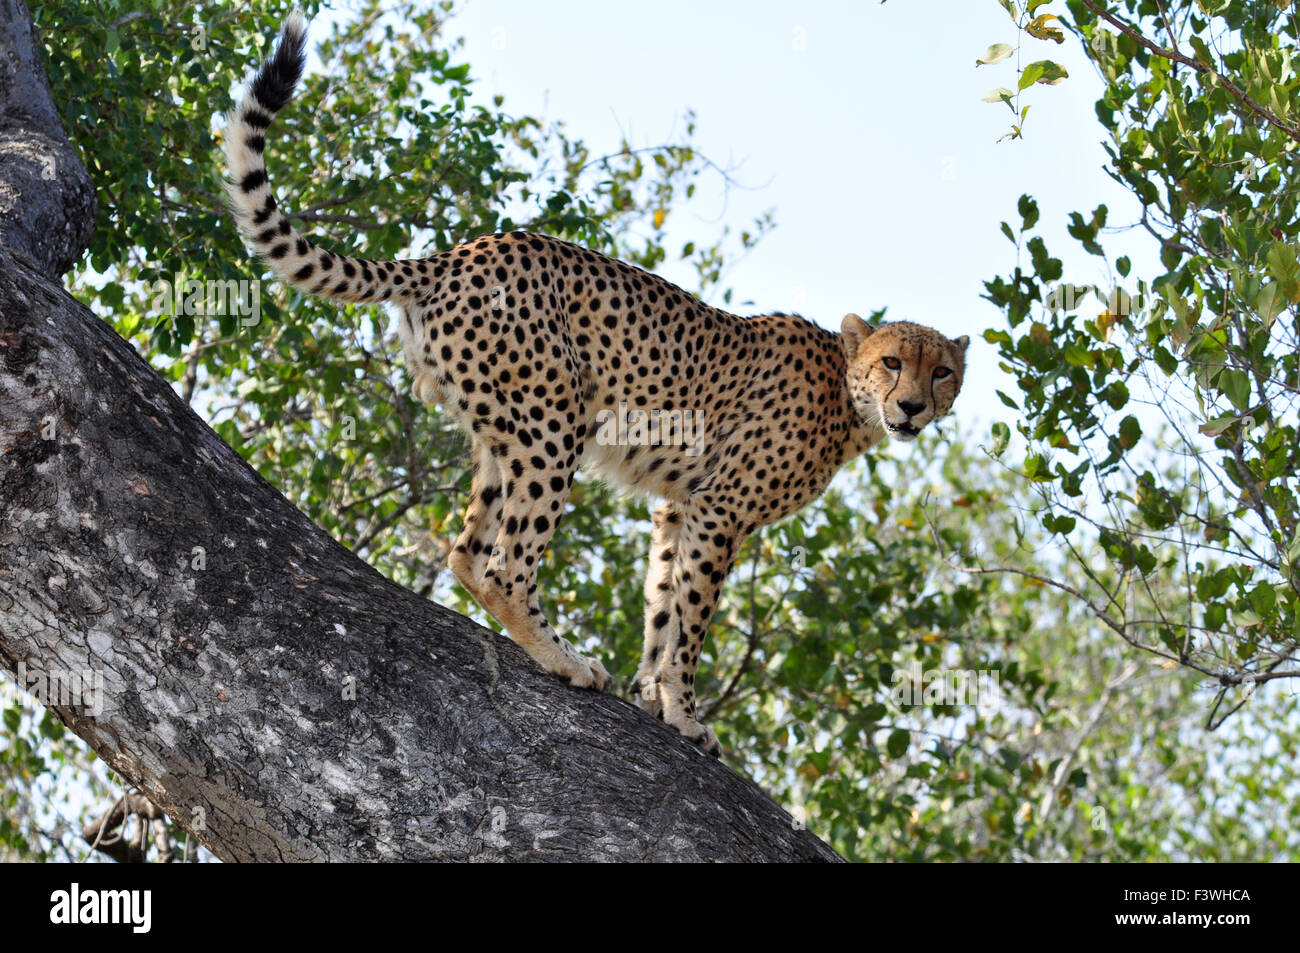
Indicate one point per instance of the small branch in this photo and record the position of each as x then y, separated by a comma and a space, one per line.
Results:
1224, 678
1175, 56
104, 832
128, 18
191, 378
352, 221
1063, 769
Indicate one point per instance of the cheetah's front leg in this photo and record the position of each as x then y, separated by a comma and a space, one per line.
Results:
708, 541
659, 604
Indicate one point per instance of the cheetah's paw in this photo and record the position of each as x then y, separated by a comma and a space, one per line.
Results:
700, 735
583, 672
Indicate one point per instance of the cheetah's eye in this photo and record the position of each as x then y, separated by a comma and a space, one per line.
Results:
893, 363
941, 372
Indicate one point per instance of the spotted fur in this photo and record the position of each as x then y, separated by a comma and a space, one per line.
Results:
533, 345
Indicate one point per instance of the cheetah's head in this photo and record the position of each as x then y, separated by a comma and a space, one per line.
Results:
902, 375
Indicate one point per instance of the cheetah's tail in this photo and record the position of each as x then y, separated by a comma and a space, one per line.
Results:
263, 224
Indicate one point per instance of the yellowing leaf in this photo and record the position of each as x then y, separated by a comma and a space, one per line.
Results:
660, 215
1037, 27
1105, 324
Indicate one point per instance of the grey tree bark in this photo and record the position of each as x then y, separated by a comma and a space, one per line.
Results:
269, 691
47, 201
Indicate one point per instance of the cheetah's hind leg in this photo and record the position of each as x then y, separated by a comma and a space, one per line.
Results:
532, 504
473, 547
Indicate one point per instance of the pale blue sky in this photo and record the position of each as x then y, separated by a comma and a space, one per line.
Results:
860, 123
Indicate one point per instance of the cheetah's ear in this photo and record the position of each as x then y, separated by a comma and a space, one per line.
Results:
855, 331
962, 342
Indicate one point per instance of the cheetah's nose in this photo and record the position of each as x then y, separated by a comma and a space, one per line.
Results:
911, 407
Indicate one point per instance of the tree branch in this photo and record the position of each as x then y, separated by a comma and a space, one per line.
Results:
1176, 57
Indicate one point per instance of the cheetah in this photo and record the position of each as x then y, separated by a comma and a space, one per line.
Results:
551, 356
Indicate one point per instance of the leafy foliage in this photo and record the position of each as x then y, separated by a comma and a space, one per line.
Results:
1160, 414
1035, 26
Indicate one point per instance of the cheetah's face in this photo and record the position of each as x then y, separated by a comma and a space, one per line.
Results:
903, 375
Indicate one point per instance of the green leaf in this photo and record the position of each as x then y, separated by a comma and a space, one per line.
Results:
1293, 551
1031, 74
1203, 54
1130, 431
898, 742
1246, 617
1001, 437
1235, 385
1283, 265
1048, 268
1062, 525
1046, 72
1028, 212
1038, 469
1270, 301
1077, 355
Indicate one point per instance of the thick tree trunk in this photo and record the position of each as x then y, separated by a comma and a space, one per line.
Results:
47, 201
269, 691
